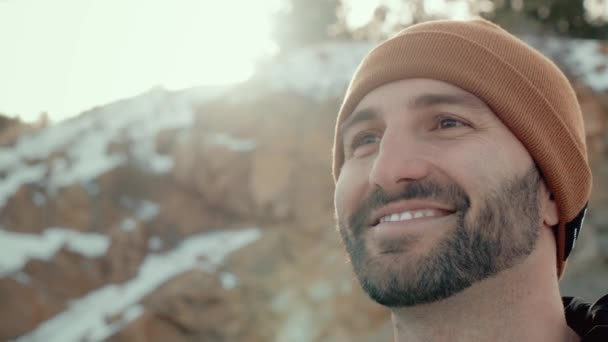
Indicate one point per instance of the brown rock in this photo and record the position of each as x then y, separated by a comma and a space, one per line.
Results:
23, 308
183, 213
166, 140
193, 307
184, 156
72, 208
11, 129
218, 173
67, 276
22, 214
270, 179
49, 285
125, 255
150, 327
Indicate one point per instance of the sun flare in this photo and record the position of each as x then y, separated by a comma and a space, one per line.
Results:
67, 56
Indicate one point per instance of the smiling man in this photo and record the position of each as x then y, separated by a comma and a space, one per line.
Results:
461, 185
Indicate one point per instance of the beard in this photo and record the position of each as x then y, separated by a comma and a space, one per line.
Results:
502, 234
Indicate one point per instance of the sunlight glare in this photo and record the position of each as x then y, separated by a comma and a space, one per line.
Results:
67, 56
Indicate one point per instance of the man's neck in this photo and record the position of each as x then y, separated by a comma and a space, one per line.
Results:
519, 304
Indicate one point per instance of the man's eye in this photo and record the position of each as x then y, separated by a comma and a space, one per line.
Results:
365, 138
447, 122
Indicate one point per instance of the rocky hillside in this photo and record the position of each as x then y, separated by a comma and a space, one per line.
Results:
206, 214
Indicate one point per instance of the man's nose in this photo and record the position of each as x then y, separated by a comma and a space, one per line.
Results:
401, 159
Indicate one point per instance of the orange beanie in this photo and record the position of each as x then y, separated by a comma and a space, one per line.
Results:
526, 90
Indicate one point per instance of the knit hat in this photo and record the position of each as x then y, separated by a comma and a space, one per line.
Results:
523, 88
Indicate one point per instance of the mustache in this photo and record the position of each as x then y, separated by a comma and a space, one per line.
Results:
451, 194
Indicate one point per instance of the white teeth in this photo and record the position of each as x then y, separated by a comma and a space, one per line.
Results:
406, 216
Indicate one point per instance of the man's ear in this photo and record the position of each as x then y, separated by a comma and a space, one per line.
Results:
548, 207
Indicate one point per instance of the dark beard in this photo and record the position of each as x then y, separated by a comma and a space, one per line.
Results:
501, 235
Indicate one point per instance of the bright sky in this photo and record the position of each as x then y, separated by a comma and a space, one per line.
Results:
66, 56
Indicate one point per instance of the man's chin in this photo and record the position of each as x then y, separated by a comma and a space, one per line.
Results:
406, 277
398, 292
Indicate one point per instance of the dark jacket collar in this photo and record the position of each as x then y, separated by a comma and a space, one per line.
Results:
589, 321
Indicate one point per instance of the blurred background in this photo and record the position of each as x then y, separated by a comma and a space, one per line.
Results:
165, 165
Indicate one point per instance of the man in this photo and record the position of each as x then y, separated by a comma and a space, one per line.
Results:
461, 185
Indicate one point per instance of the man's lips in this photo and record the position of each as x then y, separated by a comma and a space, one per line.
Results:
408, 210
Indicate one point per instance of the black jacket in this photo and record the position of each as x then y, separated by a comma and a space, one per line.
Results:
589, 321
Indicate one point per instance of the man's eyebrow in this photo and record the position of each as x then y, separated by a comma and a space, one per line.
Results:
419, 102
429, 100
366, 114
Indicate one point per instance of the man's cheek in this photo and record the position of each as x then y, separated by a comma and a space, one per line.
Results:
350, 191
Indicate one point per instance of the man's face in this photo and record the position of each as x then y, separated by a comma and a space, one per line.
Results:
435, 193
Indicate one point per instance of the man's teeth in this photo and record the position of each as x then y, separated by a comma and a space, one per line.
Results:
408, 215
